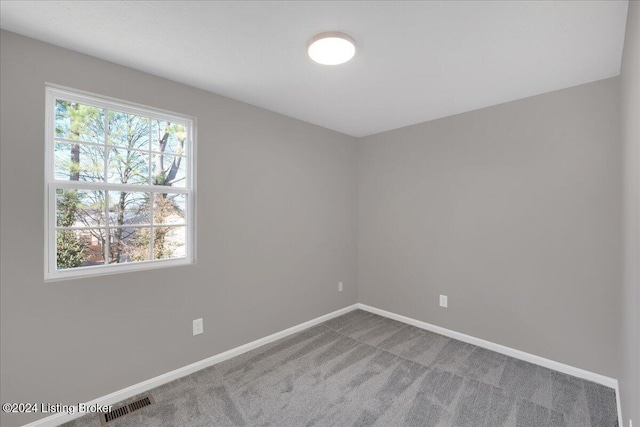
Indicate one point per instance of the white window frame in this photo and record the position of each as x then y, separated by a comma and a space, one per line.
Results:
51, 273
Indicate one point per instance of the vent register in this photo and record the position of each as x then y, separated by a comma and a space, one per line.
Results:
123, 410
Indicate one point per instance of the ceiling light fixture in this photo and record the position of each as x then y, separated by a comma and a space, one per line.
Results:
331, 48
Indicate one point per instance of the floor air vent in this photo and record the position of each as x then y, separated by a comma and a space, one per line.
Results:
121, 411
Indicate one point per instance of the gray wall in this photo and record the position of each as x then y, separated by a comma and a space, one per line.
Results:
630, 95
512, 211
276, 232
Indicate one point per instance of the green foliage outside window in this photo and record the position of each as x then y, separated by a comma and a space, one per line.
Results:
70, 246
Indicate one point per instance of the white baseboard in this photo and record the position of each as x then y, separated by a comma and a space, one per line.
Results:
498, 348
118, 396
125, 393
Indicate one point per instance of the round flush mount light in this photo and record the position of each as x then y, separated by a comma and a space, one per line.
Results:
331, 48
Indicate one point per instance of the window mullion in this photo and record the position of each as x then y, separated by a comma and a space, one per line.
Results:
107, 237
79, 142
106, 144
149, 151
97, 145
151, 194
95, 227
141, 188
151, 230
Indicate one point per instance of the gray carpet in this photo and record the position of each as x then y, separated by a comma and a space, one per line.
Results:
361, 369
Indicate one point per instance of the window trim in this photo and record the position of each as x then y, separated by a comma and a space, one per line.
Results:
51, 273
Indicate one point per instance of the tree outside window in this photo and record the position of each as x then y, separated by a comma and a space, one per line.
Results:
121, 185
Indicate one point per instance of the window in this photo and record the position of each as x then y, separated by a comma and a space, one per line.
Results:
119, 186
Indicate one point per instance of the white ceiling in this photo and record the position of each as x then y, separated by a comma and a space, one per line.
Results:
416, 61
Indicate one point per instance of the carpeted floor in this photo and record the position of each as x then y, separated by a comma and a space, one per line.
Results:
361, 369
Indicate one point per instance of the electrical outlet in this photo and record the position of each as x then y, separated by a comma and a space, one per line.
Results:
444, 301
340, 287
198, 326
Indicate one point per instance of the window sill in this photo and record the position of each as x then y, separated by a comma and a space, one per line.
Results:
94, 271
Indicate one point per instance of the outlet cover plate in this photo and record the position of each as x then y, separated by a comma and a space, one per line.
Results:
198, 326
444, 301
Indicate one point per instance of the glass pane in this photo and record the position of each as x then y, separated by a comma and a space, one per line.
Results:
79, 208
127, 207
79, 162
79, 248
169, 208
169, 170
168, 137
128, 167
129, 244
169, 242
128, 130
79, 122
